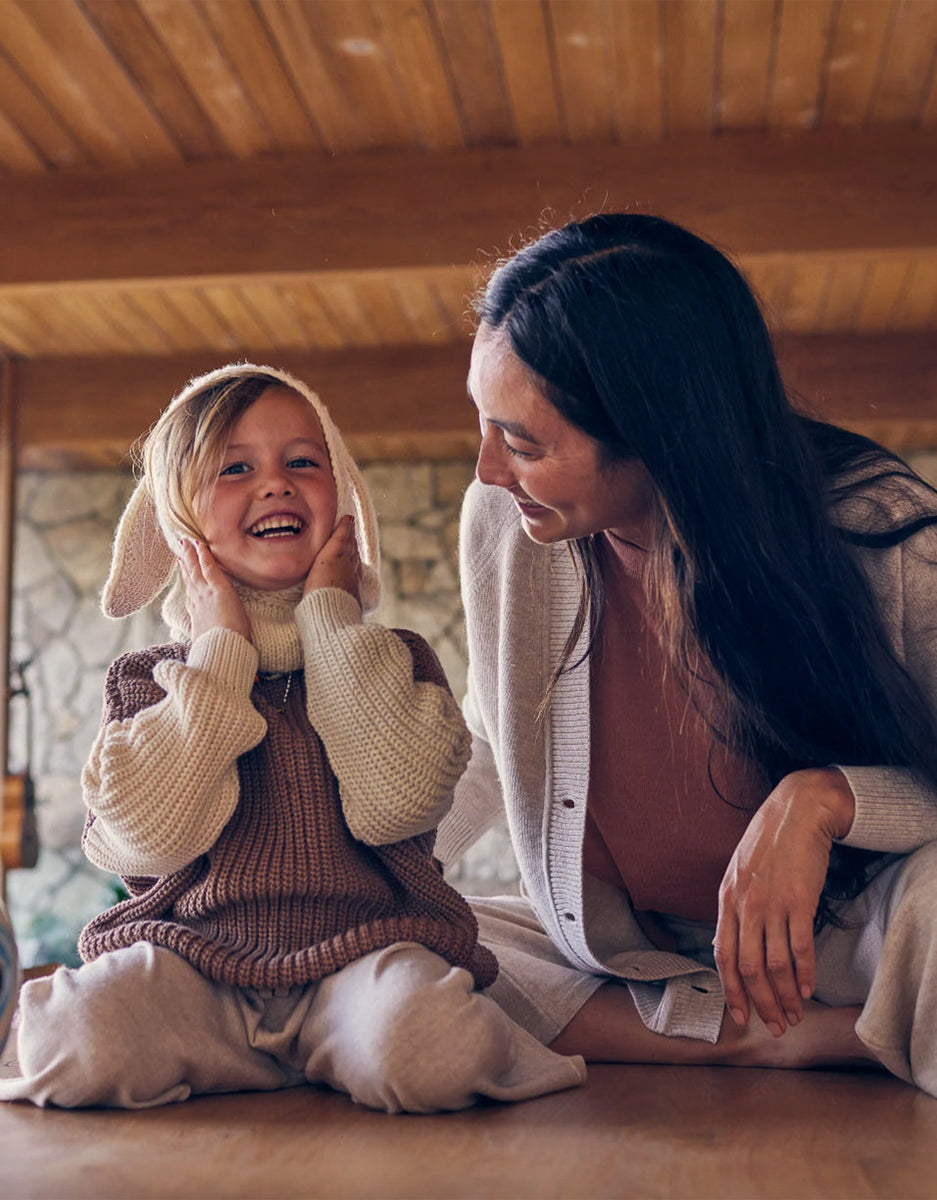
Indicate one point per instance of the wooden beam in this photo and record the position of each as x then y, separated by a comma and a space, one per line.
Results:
754, 194
401, 403
410, 403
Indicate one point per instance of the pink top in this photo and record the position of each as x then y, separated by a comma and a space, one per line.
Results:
667, 806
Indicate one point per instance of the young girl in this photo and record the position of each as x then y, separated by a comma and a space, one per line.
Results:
267, 786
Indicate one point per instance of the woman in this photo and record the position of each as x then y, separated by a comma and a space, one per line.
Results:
703, 676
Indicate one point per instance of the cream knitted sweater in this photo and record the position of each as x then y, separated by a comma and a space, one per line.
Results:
244, 838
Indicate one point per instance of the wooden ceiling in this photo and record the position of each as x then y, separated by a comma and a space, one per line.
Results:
322, 183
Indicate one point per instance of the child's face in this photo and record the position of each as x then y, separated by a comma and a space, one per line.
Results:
275, 501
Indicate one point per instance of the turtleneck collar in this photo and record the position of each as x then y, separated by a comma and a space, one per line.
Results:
272, 615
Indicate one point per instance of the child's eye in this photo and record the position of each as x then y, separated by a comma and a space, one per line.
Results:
235, 468
302, 461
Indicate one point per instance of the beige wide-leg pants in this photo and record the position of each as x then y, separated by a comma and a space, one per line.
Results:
399, 1030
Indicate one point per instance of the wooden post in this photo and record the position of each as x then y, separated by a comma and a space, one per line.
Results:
7, 522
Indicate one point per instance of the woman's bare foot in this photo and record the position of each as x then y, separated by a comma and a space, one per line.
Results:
824, 1037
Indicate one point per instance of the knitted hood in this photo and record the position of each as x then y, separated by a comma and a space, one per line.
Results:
143, 560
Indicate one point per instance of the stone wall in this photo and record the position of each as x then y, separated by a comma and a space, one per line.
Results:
63, 539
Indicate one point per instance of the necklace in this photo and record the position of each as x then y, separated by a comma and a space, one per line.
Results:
281, 708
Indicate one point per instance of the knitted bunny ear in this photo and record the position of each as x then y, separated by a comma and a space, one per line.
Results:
141, 562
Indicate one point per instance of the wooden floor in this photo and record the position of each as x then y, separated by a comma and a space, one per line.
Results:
630, 1132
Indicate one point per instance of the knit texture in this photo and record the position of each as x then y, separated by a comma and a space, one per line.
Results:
286, 894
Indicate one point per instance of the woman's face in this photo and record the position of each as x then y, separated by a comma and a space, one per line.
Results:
554, 471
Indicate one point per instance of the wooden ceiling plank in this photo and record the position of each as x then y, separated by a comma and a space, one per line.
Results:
239, 317
806, 293
216, 86
378, 301
16, 153
142, 328
93, 323
339, 298
912, 47
414, 48
123, 328
636, 43
527, 67
885, 285
472, 60
36, 121
334, 116
748, 34
73, 330
411, 210
453, 291
843, 296
89, 60
917, 305
583, 69
194, 306
419, 303
14, 338
320, 328
355, 43
243, 37
855, 61
276, 312
799, 56
772, 284
36, 59
689, 57
147, 62
159, 308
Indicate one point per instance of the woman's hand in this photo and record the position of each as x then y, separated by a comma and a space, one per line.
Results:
769, 896
210, 599
337, 564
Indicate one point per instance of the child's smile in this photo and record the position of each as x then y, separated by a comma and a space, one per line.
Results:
274, 503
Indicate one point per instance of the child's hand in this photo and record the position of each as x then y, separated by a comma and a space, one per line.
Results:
210, 599
337, 564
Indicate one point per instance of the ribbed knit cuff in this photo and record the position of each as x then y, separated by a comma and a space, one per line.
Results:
325, 610
894, 811
227, 657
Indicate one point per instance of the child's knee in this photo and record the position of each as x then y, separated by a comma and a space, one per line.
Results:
438, 1049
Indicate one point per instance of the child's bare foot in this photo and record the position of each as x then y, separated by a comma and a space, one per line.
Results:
825, 1037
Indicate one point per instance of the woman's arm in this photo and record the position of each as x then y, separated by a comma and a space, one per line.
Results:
769, 896
161, 782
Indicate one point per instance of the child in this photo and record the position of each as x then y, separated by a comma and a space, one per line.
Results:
267, 786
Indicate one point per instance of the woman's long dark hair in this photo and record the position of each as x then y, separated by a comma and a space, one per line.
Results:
649, 340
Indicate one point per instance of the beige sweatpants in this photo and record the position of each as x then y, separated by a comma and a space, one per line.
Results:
399, 1030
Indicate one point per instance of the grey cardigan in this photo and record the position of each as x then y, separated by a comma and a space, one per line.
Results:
520, 599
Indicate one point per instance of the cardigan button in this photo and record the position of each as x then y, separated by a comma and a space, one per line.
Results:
570, 916
567, 803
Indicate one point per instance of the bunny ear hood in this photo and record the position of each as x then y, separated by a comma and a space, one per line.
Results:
143, 562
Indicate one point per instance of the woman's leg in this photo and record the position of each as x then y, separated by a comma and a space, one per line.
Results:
608, 1029
402, 1030
136, 1028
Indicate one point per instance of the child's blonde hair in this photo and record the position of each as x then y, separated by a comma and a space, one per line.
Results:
181, 455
